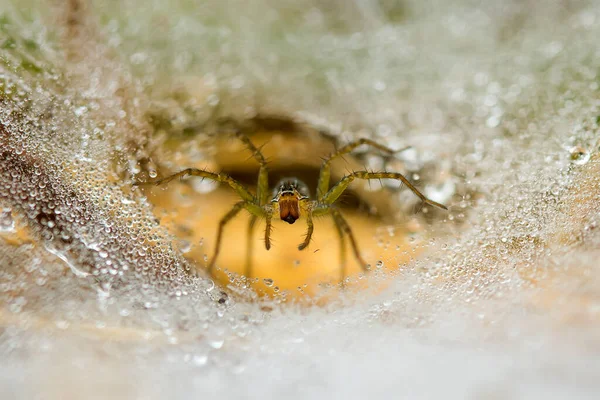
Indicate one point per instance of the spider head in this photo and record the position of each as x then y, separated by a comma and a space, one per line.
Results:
287, 196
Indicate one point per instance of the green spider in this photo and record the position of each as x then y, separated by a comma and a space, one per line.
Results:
291, 198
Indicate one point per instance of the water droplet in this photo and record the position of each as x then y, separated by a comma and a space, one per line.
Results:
579, 155
200, 360
223, 297
79, 111
213, 100
216, 344
268, 282
185, 246
441, 193
203, 186
17, 305
493, 121
62, 324
7, 224
237, 82
380, 86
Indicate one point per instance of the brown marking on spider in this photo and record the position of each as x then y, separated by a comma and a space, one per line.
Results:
288, 194
291, 199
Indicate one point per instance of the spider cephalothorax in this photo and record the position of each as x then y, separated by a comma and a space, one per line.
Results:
291, 199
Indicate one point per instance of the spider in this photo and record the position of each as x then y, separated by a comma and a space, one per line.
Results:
291, 199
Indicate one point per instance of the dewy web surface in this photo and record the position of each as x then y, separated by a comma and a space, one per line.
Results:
501, 97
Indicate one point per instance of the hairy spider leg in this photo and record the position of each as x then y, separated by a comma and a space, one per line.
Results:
248, 202
342, 224
249, 247
336, 191
253, 209
262, 186
254, 204
343, 228
325, 174
268, 218
309, 223
221, 177
262, 195
237, 207
257, 205
342, 249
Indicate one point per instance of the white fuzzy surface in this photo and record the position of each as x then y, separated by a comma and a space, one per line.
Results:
497, 92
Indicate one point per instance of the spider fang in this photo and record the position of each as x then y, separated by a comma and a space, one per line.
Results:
288, 209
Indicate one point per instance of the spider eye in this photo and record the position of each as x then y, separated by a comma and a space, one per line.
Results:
291, 185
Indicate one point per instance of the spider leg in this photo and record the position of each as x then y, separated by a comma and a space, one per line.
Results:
262, 186
249, 247
228, 217
267, 213
336, 191
221, 177
268, 233
309, 232
324, 176
341, 223
252, 208
342, 249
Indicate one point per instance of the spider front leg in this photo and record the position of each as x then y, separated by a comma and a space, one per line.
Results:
268, 226
262, 185
308, 207
248, 203
336, 191
332, 195
325, 174
221, 177
309, 231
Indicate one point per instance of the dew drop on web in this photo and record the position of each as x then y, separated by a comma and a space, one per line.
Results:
579, 155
